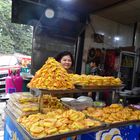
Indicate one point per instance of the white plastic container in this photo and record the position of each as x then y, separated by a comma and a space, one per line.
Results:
67, 100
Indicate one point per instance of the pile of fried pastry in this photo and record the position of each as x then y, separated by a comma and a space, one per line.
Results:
91, 80
56, 122
58, 119
113, 114
51, 103
23, 103
51, 76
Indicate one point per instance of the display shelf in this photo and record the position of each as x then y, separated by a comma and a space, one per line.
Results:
119, 124
106, 126
65, 135
97, 88
53, 137
13, 118
78, 89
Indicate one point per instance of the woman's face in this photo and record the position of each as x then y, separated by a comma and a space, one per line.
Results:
66, 62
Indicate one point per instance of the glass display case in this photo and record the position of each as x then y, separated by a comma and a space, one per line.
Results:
126, 70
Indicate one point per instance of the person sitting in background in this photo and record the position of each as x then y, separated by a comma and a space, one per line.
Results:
66, 59
94, 70
94, 67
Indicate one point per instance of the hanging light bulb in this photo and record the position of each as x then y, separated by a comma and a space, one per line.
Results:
116, 38
49, 13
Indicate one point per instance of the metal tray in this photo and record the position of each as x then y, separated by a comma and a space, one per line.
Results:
72, 133
78, 89
57, 136
53, 137
64, 135
124, 123
113, 125
45, 90
78, 86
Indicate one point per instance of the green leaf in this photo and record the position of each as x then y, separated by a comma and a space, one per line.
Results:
13, 37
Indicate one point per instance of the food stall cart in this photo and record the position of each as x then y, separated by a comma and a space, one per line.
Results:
67, 28
111, 122
128, 130
124, 131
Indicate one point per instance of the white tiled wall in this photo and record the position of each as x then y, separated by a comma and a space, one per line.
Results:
110, 29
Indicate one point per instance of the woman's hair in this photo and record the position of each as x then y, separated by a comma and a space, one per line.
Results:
62, 54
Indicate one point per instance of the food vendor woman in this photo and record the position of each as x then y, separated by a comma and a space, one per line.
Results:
66, 59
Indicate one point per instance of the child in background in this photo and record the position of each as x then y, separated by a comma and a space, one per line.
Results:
94, 67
